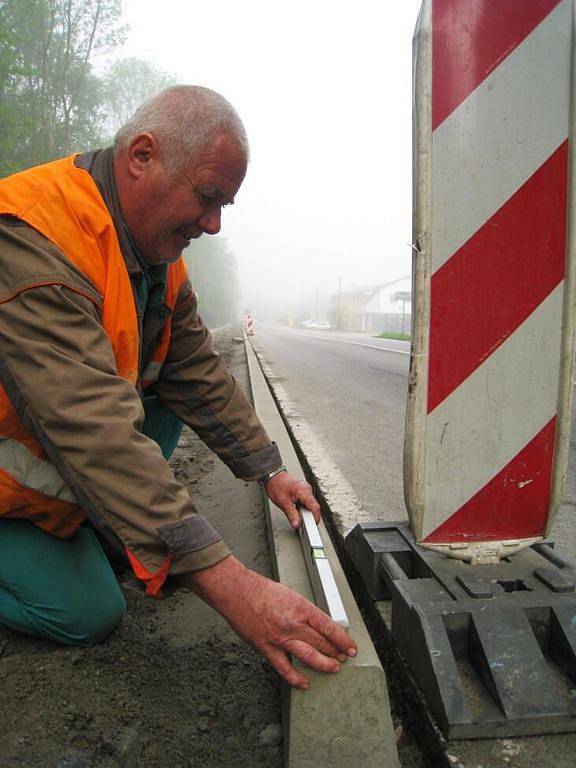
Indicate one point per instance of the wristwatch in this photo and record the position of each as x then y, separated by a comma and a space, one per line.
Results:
263, 481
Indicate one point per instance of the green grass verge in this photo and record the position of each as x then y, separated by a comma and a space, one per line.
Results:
399, 336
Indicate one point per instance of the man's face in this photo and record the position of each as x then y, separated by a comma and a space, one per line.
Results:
171, 210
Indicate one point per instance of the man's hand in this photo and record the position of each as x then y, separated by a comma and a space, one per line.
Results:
285, 491
274, 619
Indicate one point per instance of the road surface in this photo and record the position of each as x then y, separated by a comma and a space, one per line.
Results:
350, 388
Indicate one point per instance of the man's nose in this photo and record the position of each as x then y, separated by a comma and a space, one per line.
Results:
211, 221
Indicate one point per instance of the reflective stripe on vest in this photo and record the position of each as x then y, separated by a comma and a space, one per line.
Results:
151, 373
32, 471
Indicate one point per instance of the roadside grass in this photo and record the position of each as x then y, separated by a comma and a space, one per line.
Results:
391, 335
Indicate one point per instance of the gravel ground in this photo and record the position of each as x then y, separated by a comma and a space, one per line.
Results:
136, 701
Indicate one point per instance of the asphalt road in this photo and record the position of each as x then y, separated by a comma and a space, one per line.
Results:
351, 390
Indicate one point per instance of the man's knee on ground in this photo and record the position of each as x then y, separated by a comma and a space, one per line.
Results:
94, 619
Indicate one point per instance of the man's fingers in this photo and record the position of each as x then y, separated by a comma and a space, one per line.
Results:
293, 516
307, 500
324, 625
308, 655
287, 493
282, 665
322, 644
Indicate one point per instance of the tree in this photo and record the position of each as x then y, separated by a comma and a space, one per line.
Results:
213, 272
51, 102
340, 311
16, 118
127, 84
51, 98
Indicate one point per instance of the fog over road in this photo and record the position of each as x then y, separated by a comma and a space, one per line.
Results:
351, 390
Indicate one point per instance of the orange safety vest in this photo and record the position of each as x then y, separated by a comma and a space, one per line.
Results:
63, 203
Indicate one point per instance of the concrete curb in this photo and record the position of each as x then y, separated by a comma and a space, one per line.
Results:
343, 720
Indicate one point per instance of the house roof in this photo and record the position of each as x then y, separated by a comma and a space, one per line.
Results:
366, 292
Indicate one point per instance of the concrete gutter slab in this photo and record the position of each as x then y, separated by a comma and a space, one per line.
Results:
343, 720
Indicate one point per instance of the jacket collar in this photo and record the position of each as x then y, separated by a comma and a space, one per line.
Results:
100, 166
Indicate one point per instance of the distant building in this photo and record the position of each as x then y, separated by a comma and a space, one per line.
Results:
385, 307
390, 307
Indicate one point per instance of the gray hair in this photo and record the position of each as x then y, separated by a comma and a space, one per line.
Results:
184, 119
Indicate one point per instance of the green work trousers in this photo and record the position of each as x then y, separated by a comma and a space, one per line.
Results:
66, 590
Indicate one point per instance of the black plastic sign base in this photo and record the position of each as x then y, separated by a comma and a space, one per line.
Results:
492, 647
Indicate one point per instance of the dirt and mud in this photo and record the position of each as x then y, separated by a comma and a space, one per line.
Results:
173, 687
137, 701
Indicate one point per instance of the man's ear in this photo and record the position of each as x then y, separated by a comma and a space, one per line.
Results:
142, 154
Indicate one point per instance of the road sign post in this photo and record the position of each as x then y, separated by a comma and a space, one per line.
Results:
493, 305
490, 384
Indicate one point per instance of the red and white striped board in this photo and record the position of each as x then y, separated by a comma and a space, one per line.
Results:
249, 324
493, 314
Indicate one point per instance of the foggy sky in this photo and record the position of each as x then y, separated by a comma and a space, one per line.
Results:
324, 90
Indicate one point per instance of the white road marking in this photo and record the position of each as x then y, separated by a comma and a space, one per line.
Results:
341, 498
359, 344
